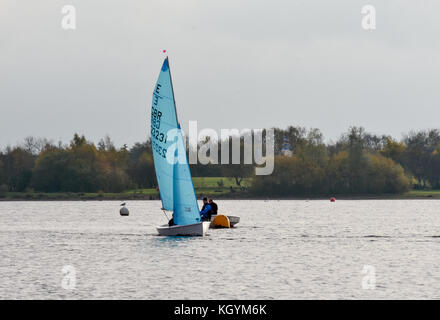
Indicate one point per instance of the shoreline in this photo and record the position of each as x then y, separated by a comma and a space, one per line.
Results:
412, 195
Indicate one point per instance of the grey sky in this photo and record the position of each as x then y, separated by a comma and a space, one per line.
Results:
235, 64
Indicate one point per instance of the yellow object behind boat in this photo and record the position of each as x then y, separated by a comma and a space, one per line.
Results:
221, 221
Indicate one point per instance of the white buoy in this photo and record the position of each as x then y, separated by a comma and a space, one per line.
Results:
124, 211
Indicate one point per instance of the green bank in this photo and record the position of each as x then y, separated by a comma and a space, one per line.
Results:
215, 187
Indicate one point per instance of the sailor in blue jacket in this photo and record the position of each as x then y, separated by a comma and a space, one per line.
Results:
206, 210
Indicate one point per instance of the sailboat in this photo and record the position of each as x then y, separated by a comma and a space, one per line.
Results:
170, 161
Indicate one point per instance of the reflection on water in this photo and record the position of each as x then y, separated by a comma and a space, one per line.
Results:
279, 250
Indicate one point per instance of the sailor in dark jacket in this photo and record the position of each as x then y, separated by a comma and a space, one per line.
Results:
206, 210
214, 206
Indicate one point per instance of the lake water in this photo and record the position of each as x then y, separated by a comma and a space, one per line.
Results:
368, 249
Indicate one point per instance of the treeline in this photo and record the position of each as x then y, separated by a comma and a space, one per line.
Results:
357, 163
353, 165
81, 166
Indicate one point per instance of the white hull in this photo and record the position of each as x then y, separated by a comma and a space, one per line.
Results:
233, 220
196, 229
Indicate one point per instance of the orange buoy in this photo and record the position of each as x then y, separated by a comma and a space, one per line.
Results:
332, 199
221, 221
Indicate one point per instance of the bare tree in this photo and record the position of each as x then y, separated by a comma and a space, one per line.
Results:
35, 145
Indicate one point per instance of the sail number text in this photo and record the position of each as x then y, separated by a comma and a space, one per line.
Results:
156, 134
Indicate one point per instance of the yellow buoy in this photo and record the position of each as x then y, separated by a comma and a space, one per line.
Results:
221, 221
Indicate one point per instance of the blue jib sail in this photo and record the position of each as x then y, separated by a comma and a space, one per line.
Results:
174, 177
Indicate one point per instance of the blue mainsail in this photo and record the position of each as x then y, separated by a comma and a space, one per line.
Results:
174, 177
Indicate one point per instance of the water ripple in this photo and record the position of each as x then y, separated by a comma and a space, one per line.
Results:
280, 250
